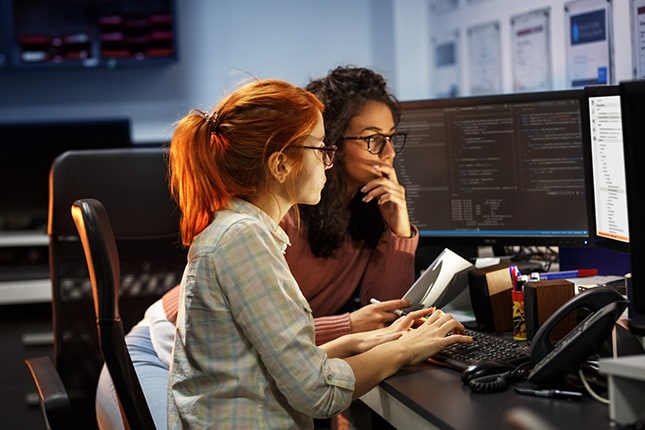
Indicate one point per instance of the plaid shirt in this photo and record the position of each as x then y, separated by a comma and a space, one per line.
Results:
244, 354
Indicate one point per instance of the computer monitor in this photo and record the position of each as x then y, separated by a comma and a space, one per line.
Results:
602, 133
496, 170
632, 102
28, 150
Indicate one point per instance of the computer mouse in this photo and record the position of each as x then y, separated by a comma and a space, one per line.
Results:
484, 368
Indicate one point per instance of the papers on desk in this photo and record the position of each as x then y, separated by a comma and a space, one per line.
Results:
464, 316
444, 280
588, 282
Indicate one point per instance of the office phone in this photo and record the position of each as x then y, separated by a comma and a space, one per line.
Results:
552, 361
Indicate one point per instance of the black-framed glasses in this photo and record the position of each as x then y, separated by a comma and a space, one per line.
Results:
376, 142
328, 153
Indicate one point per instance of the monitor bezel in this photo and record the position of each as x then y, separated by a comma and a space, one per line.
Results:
632, 103
467, 238
31, 147
595, 239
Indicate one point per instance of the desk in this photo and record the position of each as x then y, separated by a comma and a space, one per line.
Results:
429, 396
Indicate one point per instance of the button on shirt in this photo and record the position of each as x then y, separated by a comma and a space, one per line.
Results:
244, 354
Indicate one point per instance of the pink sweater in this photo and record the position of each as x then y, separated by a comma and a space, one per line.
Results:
328, 283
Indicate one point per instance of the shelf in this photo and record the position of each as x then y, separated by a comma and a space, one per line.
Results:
21, 292
23, 238
24, 290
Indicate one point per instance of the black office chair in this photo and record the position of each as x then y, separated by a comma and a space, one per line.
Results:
102, 256
132, 185
54, 399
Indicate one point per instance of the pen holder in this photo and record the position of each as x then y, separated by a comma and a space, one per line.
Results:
519, 320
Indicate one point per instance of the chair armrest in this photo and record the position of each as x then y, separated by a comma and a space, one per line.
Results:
53, 395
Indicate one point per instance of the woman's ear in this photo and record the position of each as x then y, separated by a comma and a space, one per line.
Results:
280, 166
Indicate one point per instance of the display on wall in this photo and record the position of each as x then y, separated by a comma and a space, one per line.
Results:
531, 51
588, 44
638, 38
485, 59
87, 33
446, 64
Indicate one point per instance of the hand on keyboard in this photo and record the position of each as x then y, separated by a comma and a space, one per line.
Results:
485, 347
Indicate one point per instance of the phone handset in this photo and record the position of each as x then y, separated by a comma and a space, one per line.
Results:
552, 361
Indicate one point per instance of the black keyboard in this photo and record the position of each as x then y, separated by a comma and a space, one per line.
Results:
485, 347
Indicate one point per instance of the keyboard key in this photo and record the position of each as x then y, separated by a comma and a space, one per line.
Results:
485, 347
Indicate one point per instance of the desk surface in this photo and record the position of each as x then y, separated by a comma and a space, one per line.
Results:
430, 396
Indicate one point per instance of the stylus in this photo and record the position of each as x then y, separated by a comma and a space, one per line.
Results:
553, 394
397, 312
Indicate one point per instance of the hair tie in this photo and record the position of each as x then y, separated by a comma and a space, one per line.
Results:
211, 117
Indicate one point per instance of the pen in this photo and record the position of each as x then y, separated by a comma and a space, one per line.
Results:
397, 312
515, 274
579, 273
552, 394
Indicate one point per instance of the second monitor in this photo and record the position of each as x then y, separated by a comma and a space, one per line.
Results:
496, 170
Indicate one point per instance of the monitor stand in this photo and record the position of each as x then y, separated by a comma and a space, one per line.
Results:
498, 250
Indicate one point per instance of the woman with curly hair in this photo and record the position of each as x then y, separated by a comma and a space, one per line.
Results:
358, 241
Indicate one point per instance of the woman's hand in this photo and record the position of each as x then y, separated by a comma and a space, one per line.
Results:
369, 339
432, 336
361, 342
412, 346
391, 199
376, 315
356, 343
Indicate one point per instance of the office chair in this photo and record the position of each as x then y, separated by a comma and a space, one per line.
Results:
132, 185
102, 256
54, 399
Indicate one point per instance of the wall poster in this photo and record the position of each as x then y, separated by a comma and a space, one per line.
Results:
588, 44
638, 38
446, 74
531, 51
485, 59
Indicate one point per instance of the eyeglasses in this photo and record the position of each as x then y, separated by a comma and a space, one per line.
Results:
328, 153
376, 142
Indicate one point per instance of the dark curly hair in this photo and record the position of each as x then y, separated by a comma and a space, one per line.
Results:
344, 91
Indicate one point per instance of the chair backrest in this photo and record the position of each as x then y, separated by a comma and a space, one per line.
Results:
99, 245
132, 185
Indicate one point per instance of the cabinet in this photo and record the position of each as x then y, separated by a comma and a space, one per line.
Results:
25, 323
24, 270
86, 33
25, 331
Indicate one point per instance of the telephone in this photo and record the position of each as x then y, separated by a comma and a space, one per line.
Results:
552, 362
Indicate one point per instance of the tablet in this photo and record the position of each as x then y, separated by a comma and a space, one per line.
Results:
441, 282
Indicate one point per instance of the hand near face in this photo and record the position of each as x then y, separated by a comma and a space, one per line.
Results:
390, 195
